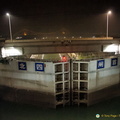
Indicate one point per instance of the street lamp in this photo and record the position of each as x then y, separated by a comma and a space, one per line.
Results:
9, 26
108, 13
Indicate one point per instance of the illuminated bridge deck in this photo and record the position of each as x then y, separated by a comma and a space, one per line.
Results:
61, 45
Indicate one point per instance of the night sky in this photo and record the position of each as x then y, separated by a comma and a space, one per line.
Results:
76, 17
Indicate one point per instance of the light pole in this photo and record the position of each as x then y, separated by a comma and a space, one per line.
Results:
9, 25
108, 13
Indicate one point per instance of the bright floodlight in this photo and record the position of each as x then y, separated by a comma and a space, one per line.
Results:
7, 14
109, 12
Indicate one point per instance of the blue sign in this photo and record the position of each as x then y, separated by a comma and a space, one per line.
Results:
22, 66
114, 61
100, 64
39, 66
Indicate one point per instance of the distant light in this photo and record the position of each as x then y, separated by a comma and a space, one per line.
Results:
18, 38
63, 32
64, 37
109, 12
64, 59
57, 37
97, 115
25, 33
7, 14
73, 37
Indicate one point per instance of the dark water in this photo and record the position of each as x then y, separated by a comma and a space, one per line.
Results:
13, 111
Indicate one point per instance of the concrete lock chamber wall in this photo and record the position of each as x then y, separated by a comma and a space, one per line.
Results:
50, 83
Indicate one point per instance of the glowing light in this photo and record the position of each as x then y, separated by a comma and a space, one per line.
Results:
25, 33
111, 48
64, 59
11, 51
63, 32
7, 14
109, 12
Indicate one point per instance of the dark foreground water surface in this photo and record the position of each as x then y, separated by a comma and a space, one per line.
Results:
108, 110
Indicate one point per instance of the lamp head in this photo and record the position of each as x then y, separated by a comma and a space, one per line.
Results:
7, 14
109, 12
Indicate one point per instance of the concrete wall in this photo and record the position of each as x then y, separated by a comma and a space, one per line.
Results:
50, 84
29, 79
95, 80
104, 83
104, 77
24, 84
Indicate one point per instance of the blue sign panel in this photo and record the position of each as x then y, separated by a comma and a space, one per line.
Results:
114, 61
100, 64
22, 66
39, 66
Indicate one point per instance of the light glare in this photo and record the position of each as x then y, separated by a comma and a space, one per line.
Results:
7, 14
111, 48
11, 51
109, 12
